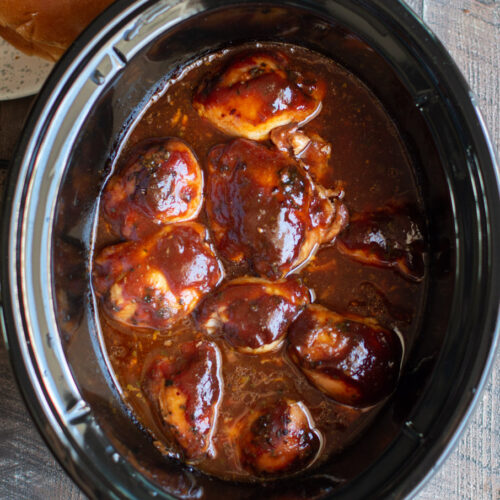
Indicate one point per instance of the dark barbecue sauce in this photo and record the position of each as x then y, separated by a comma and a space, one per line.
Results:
369, 161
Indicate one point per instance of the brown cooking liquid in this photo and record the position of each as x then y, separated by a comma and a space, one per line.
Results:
370, 159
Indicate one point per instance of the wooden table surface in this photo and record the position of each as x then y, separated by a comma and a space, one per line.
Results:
470, 29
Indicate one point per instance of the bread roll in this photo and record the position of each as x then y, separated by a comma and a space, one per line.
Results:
46, 28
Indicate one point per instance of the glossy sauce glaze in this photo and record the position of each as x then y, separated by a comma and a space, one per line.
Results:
266, 333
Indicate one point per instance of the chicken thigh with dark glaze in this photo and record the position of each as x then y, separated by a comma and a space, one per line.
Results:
253, 314
277, 438
185, 390
256, 93
389, 237
352, 359
161, 183
156, 281
263, 208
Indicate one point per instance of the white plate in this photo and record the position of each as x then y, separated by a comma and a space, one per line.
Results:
20, 75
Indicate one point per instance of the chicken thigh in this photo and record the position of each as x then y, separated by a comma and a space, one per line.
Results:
277, 438
253, 314
256, 93
161, 183
185, 391
154, 282
352, 359
385, 238
265, 209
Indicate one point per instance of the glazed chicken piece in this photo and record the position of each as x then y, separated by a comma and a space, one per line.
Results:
255, 93
154, 282
352, 359
161, 183
385, 238
265, 209
310, 150
184, 391
253, 314
278, 438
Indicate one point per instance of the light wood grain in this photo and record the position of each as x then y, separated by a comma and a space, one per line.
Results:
417, 6
471, 32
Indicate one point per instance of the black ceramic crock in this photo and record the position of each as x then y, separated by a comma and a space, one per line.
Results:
97, 90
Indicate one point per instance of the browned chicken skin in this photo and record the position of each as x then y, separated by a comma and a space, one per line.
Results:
310, 150
352, 359
156, 281
256, 93
278, 438
265, 209
385, 238
253, 314
161, 183
313, 153
185, 391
